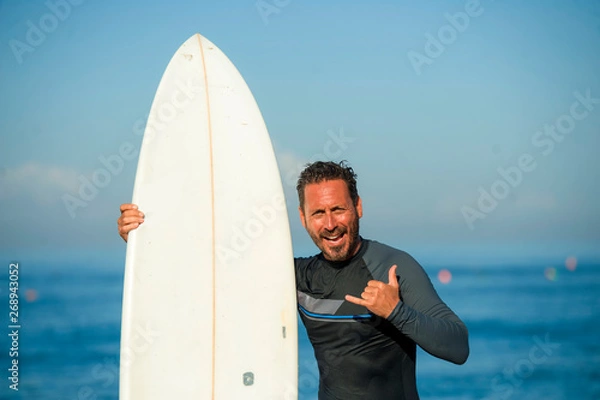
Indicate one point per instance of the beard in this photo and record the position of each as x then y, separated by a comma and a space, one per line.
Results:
344, 250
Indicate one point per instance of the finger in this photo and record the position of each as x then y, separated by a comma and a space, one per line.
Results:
128, 228
371, 290
131, 214
368, 297
355, 300
375, 284
129, 220
392, 278
128, 206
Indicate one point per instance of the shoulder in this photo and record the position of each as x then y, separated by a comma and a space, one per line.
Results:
415, 284
378, 250
380, 257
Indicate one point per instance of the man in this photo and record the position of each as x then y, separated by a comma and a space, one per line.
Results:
363, 320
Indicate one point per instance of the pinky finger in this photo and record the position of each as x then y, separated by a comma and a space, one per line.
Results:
355, 300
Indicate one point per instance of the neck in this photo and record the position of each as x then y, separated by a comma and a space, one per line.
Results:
357, 247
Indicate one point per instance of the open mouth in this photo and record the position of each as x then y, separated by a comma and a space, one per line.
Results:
334, 240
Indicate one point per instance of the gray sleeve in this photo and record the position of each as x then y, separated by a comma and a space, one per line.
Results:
423, 317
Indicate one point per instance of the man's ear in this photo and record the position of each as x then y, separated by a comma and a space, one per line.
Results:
359, 210
302, 219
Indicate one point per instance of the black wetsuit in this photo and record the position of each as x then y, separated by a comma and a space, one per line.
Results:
364, 357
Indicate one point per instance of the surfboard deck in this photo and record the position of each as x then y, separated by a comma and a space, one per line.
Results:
209, 303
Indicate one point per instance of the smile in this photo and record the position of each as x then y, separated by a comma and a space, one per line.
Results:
334, 239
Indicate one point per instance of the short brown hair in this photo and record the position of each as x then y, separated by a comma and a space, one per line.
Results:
320, 171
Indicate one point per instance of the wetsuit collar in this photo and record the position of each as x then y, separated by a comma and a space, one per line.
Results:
341, 264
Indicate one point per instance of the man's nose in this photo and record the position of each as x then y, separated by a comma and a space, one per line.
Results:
330, 222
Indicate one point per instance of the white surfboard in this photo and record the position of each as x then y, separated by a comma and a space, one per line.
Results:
209, 304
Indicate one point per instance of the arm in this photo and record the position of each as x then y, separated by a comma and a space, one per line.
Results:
419, 313
422, 316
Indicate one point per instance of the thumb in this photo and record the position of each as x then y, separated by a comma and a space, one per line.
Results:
392, 278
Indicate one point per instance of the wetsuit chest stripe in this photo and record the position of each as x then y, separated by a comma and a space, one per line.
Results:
334, 317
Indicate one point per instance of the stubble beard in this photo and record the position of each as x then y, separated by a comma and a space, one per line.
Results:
344, 251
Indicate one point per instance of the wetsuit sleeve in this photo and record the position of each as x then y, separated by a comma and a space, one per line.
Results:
423, 317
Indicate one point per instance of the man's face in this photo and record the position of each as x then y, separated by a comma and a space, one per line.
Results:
331, 219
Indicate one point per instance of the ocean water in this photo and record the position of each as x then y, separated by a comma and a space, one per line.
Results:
534, 334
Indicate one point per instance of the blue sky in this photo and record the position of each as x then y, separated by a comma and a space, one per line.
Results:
78, 79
